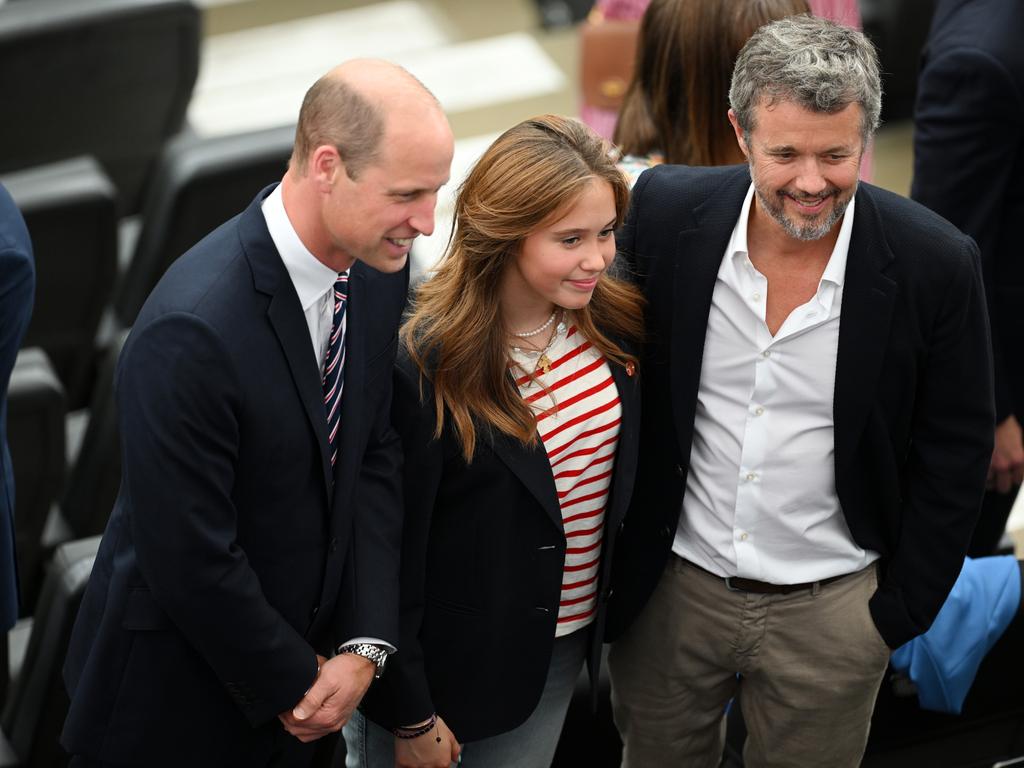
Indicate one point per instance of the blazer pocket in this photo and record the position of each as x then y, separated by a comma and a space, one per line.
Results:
383, 361
451, 606
142, 612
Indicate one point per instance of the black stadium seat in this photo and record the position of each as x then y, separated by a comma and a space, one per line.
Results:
34, 714
199, 184
70, 210
108, 78
35, 435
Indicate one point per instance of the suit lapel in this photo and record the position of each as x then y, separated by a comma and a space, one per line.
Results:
868, 299
531, 465
699, 250
286, 318
626, 453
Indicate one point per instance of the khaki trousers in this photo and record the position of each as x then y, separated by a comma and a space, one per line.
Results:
805, 666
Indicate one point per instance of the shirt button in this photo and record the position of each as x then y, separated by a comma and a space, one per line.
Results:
743, 537
756, 297
751, 477
766, 353
759, 411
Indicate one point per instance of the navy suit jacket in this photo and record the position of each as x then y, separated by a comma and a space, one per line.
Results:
969, 158
234, 553
913, 395
482, 565
17, 287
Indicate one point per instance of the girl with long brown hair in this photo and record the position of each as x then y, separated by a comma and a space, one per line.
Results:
517, 403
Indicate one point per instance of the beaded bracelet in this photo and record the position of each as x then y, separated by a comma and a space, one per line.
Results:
414, 732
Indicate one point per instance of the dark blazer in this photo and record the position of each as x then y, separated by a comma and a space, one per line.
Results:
482, 558
232, 554
969, 158
912, 402
17, 287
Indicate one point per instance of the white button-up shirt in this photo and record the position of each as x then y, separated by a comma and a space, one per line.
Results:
760, 497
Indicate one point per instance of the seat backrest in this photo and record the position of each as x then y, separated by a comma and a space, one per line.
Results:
95, 477
200, 184
35, 435
70, 211
35, 711
108, 78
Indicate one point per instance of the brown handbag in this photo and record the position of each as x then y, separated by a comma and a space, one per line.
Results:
607, 55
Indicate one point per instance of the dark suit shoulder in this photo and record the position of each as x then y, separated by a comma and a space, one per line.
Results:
684, 186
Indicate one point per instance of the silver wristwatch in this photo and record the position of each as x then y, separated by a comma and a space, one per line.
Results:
374, 653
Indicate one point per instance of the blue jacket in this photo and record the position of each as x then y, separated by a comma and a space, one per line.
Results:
17, 288
944, 660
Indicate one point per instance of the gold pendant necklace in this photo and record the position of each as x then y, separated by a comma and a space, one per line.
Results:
543, 363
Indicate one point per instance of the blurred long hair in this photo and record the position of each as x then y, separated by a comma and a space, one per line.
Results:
677, 102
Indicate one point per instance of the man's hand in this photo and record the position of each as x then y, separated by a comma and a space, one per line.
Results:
1007, 467
435, 749
339, 685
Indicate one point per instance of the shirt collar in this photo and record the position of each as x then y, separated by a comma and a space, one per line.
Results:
835, 270
310, 276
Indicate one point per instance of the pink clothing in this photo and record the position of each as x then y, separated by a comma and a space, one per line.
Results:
842, 11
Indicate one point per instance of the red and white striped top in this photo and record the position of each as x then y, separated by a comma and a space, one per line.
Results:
578, 416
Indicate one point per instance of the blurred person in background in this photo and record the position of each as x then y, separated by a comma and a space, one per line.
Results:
603, 119
17, 289
674, 110
969, 168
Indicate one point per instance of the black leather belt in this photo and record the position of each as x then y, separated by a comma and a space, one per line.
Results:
740, 584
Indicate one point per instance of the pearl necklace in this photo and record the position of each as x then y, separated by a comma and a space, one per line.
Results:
535, 331
543, 361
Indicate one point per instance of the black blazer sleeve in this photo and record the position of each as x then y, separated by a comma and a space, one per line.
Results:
406, 681
369, 595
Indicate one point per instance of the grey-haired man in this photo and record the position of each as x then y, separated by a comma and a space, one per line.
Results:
818, 423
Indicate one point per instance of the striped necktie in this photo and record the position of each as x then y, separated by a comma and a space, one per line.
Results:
334, 364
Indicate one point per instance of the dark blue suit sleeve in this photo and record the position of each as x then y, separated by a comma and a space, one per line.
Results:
17, 288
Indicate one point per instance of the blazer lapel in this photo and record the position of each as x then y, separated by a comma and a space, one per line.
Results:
533, 468
287, 320
868, 299
629, 440
699, 250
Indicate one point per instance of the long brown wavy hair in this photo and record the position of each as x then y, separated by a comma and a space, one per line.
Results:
679, 97
455, 334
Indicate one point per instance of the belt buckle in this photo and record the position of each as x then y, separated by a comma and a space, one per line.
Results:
730, 587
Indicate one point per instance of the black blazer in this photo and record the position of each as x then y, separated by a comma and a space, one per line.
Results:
913, 394
969, 158
233, 554
482, 557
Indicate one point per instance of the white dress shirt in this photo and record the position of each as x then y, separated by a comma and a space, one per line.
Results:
760, 496
314, 283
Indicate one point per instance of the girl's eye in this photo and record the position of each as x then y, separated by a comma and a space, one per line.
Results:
605, 233
570, 241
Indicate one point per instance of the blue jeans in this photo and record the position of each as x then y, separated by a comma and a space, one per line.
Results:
530, 745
